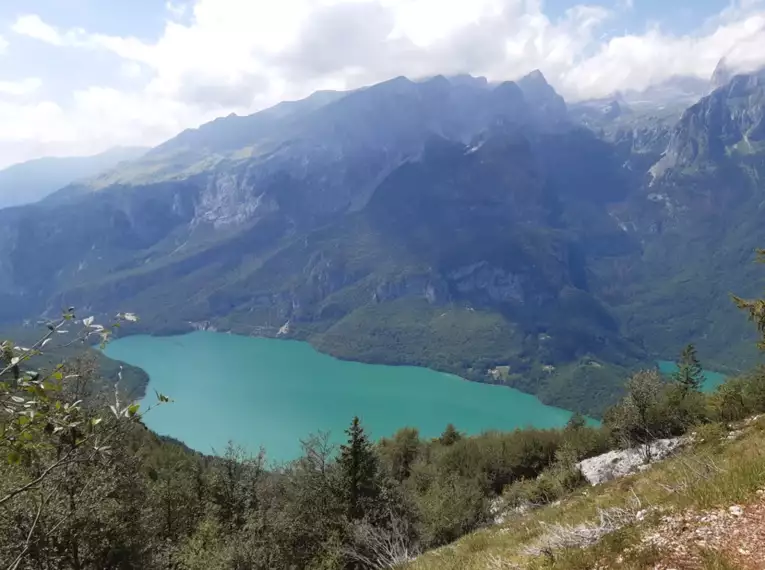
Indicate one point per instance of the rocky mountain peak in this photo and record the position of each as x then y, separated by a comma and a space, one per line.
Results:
550, 107
728, 122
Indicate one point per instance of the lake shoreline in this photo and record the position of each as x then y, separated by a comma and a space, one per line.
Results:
391, 397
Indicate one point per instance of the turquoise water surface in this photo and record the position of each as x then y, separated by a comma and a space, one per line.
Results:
259, 391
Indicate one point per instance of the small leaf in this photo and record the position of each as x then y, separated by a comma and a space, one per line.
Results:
132, 409
15, 360
95, 421
18, 399
14, 457
89, 321
57, 376
46, 341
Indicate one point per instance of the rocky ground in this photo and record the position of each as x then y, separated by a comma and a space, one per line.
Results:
738, 533
623, 462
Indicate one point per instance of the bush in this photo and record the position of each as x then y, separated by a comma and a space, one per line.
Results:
451, 508
728, 403
711, 434
553, 484
754, 390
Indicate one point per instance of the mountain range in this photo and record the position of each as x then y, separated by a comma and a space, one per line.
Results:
489, 230
31, 181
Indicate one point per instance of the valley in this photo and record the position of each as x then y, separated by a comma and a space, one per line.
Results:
375, 285
478, 227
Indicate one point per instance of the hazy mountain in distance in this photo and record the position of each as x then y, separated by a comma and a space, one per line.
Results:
31, 181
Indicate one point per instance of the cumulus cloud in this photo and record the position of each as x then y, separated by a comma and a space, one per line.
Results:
219, 56
23, 87
33, 26
3, 45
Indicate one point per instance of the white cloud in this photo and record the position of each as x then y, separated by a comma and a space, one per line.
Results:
32, 25
218, 56
176, 9
637, 61
24, 87
131, 70
3, 45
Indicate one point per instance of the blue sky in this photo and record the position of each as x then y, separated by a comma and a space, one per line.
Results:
79, 76
146, 18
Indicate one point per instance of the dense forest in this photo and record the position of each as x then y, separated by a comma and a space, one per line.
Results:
85, 485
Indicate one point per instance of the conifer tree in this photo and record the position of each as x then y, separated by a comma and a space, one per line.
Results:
360, 472
689, 374
450, 436
576, 422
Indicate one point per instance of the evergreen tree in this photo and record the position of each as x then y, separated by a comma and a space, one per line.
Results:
576, 422
450, 436
360, 472
400, 452
689, 374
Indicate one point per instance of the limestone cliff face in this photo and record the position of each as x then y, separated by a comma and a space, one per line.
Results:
497, 284
729, 121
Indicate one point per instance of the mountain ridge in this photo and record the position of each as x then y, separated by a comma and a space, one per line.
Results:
35, 180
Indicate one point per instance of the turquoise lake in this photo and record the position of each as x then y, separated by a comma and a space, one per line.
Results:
258, 391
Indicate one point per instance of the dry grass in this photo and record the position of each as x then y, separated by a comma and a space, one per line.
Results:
713, 560
598, 525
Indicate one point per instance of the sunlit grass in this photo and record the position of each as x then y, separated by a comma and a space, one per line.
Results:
704, 477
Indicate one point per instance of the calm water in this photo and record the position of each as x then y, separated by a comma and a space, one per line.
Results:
712, 379
268, 392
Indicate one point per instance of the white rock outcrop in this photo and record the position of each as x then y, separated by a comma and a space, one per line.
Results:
620, 463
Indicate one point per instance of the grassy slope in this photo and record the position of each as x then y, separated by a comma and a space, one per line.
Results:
701, 478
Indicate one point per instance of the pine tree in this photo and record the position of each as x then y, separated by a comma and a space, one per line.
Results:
450, 436
576, 422
689, 374
360, 472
